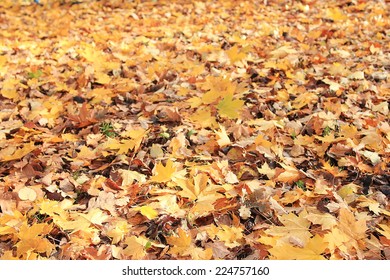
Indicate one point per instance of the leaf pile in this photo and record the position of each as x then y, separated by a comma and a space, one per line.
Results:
195, 130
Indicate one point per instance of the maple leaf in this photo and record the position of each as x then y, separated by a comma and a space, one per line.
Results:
129, 177
349, 225
266, 170
204, 118
290, 174
163, 173
373, 205
231, 236
218, 87
83, 222
312, 251
180, 244
123, 146
136, 135
347, 235
10, 222
224, 139
326, 220
201, 191
8, 89
31, 240
193, 190
95, 216
235, 54
198, 253
56, 210
167, 204
301, 112
84, 118
295, 228
118, 230
336, 14
135, 247
229, 107
85, 155
18, 153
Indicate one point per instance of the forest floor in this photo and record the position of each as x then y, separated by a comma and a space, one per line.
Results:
195, 130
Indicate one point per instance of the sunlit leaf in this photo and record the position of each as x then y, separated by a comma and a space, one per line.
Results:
229, 107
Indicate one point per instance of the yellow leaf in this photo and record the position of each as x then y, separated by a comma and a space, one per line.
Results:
339, 240
56, 210
198, 253
223, 138
19, 153
349, 225
156, 151
86, 153
122, 146
231, 236
180, 243
3, 61
373, 205
203, 117
137, 135
291, 174
218, 87
294, 227
129, 176
266, 170
167, 204
230, 108
201, 192
194, 102
193, 190
135, 247
304, 99
385, 231
95, 216
8, 89
163, 173
235, 54
101, 94
102, 78
326, 220
32, 240
312, 251
148, 212
336, 14
118, 231
8, 255
347, 190
69, 137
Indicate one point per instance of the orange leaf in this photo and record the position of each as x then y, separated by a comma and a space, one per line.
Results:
19, 153
163, 173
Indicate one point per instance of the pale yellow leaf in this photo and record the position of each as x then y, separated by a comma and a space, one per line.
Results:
27, 193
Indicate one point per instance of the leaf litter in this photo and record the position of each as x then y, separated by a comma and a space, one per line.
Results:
194, 130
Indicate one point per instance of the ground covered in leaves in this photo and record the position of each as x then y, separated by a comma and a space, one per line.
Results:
194, 130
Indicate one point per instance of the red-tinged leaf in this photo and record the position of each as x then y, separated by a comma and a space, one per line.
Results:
112, 185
